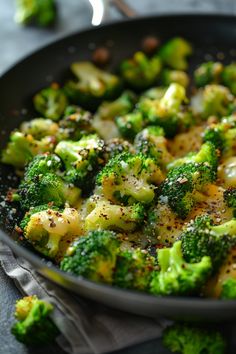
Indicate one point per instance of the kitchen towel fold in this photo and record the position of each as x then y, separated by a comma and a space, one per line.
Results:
86, 327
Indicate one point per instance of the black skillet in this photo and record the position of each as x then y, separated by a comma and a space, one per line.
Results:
212, 36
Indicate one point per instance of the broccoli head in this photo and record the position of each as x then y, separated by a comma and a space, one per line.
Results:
189, 339
130, 124
39, 12
176, 276
228, 289
23, 147
175, 52
43, 184
141, 72
201, 238
129, 179
40, 128
51, 102
116, 146
230, 197
178, 76
93, 256
91, 85
81, 158
229, 77
133, 270
208, 73
102, 214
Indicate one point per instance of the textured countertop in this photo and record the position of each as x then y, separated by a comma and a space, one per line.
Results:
17, 42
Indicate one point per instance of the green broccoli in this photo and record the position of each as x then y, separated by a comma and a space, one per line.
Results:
39, 128
102, 214
208, 73
116, 146
141, 72
176, 276
174, 53
129, 179
23, 147
228, 289
45, 227
178, 76
154, 93
34, 326
39, 12
51, 102
81, 158
190, 339
130, 124
229, 77
91, 85
201, 238
133, 270
43, 184
93, 256
230, 197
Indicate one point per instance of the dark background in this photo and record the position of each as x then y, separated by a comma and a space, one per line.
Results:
16, 42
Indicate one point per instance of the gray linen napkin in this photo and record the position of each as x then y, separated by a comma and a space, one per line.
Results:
86, 327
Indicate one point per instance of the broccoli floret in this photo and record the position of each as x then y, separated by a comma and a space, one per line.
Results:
230, 197
151, 142
93, 256
129, 179
174, 53
177, 76
180, 189
207, 155
229, 77
121, 106
228, 289
23, 147
51, 102
141, 72
167, 111
102, 214
133, 270
41, 184
223, 135
208, 73
154, 93
116, 146
189, 339
34, 326
76, 123
176, 276
45, 227
81, 158
40, 128
91, 85
39, 12
130, 124
201, 238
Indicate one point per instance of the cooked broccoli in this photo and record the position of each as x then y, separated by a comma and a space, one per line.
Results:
174, 53
129, 179
116, 146
154, 93
34, 326
91, 85
42, 184
201, 238
39, 12
121, 106
130, 124
167, 111
229, 77
93, 256
208, 73
81, 158
176, 276
177, 76
40, 128
180, 190
228, 289
51, 102
151, 142
45, 227
102, 214
141, 72
23, 147
230, 197
133, 270
189, 339
223, 135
